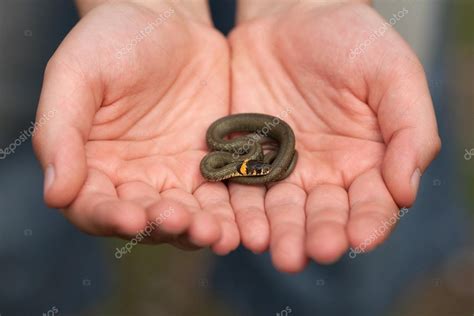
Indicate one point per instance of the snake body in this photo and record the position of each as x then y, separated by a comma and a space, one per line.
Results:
242, 159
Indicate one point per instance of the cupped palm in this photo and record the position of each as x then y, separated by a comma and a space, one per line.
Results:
144, 85
297, 63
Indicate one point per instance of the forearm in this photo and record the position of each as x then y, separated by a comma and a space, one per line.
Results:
196, 9
249, 9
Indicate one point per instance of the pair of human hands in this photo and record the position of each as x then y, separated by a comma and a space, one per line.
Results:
131, 114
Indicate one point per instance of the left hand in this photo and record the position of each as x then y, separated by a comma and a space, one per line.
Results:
364, 125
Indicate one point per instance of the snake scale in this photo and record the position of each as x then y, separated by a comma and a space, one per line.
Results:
246, 159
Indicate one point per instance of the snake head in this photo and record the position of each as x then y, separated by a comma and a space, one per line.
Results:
250, 168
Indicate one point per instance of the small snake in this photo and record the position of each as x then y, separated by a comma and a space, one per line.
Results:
242, 159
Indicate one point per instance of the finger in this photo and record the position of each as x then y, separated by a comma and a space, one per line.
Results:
172, 217
408, 125
138, 192
66, 107
98, 211
214, 199
142, 194
165, 220
373, 212
248, 203
284, 204
204, 229
327, 212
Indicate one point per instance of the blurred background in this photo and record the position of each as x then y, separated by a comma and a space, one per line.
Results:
47, 267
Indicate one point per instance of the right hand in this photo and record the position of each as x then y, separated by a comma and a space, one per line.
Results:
128, 132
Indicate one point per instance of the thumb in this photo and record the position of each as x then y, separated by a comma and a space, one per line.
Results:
408, 124
63, 121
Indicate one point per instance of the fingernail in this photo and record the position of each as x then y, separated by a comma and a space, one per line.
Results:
48, 177
415, 180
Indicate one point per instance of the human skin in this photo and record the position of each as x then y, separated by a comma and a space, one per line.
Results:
128, 136
364, 125
129, 132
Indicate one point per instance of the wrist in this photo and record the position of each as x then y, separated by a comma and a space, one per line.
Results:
194, 9
250, 9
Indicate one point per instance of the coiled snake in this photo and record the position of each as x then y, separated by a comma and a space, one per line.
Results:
245, 159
